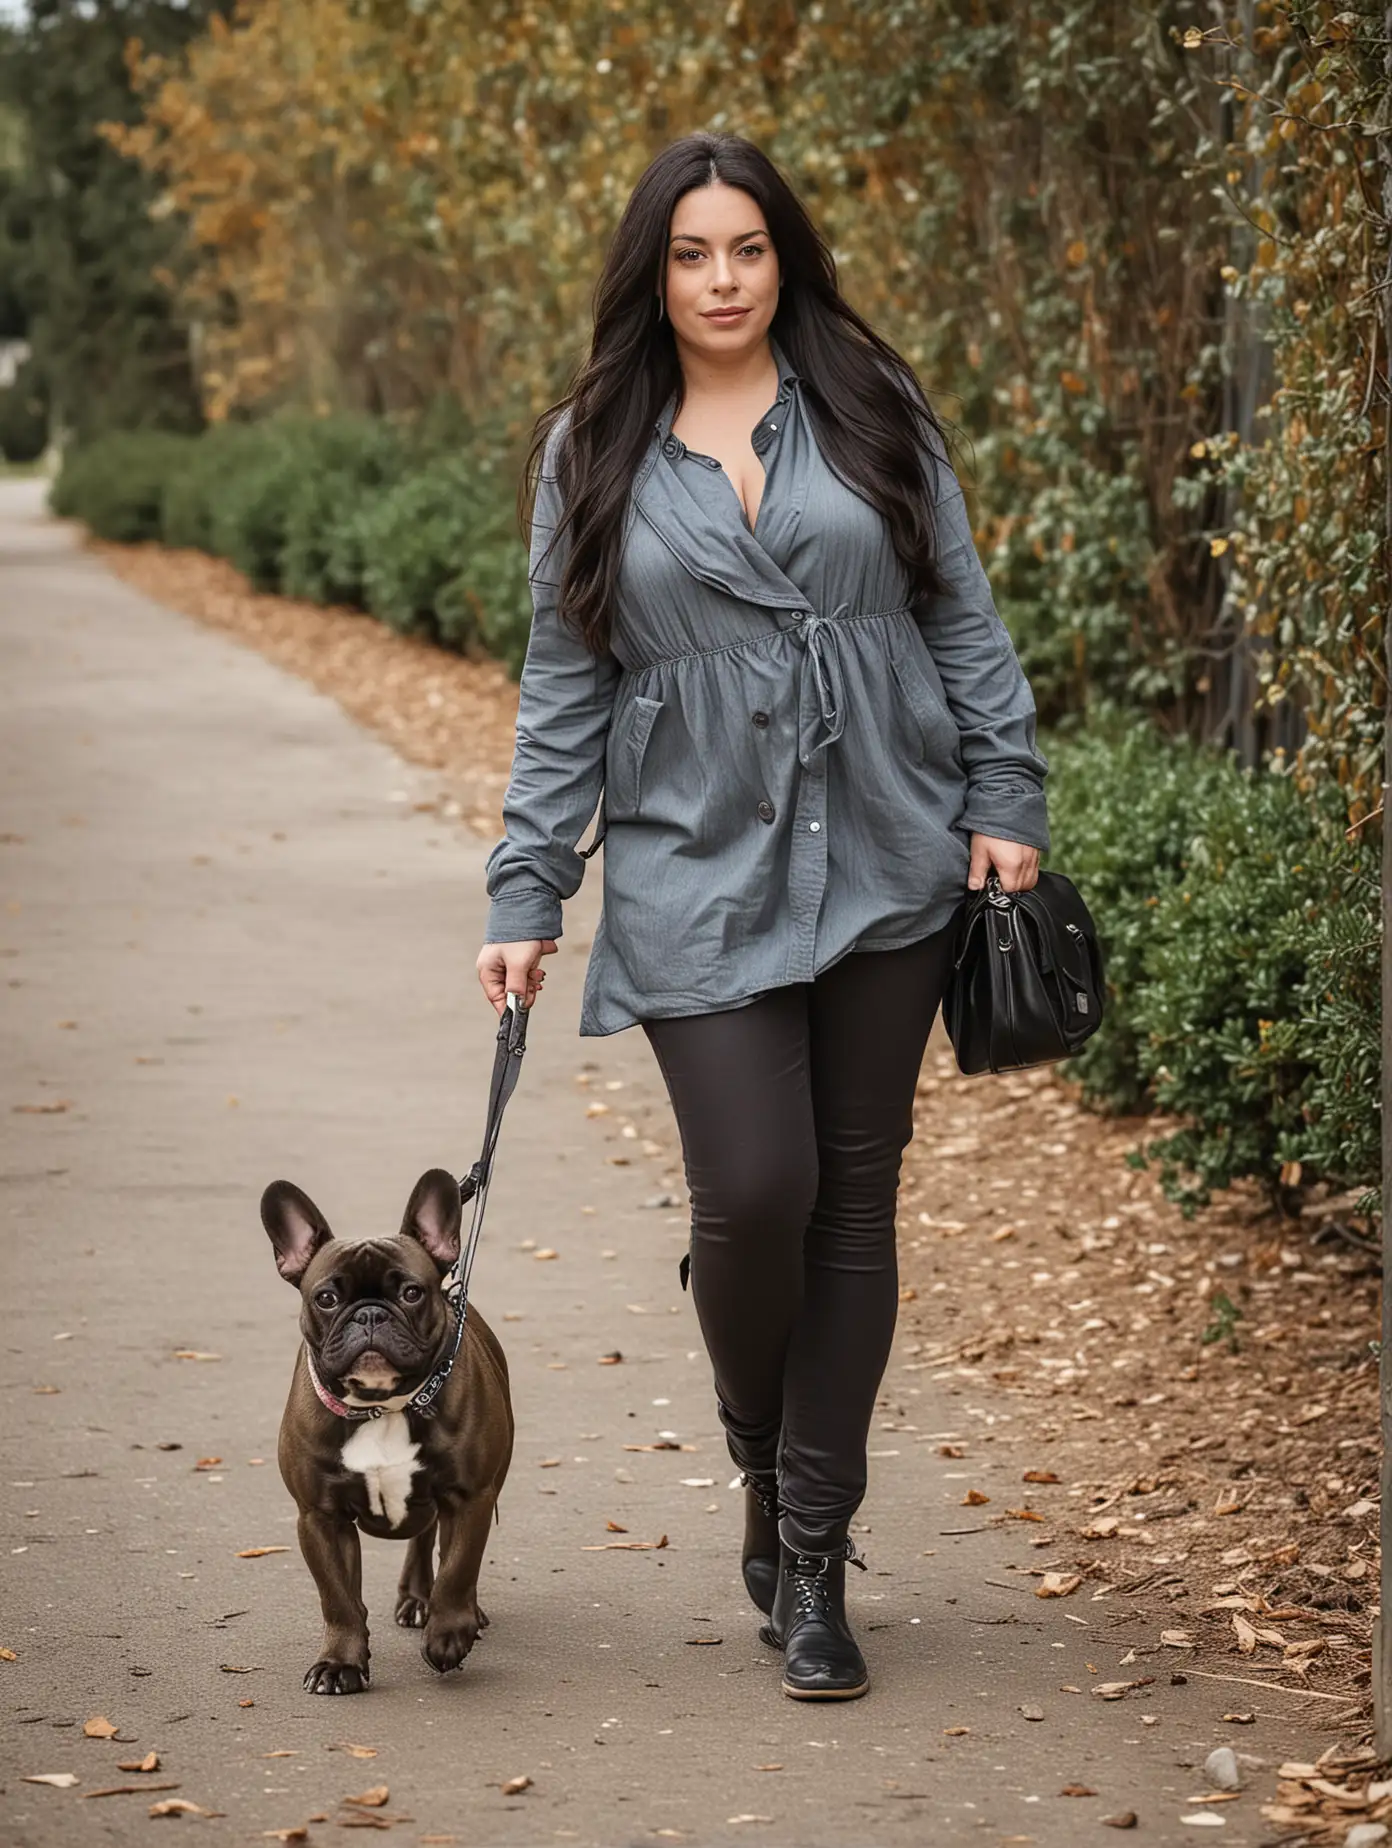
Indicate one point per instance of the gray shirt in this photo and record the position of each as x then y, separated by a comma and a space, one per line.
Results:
791, 757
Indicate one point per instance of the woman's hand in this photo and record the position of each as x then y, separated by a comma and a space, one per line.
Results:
1016, 865
512, 968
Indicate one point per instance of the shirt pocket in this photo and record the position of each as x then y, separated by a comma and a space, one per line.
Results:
628, 744
933, 729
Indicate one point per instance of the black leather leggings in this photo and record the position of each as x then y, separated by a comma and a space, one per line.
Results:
794, 1111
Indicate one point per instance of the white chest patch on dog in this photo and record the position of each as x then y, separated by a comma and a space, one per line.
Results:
382, 1453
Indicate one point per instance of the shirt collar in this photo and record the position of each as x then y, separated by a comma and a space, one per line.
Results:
787, 378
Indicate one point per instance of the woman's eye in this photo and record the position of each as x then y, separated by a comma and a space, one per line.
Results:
326, 1298
412, 1293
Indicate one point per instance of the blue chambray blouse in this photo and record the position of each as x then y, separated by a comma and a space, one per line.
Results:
790, 758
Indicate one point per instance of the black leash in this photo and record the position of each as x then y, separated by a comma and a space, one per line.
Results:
507, 1063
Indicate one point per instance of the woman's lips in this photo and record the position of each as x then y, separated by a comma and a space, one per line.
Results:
726, 314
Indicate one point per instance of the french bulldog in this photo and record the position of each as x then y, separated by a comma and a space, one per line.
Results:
356, 1452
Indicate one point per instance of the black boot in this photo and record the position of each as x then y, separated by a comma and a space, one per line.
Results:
821, 1659
759, 1560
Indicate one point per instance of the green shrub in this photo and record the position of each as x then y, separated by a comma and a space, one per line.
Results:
417, 540
1124, 802
250, 511
116, 483
191, 495
24, 416
355, 461
1242, 941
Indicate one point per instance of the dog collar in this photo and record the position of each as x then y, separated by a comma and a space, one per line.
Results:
421, 1400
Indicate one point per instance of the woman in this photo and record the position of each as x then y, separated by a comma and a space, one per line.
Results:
781, 665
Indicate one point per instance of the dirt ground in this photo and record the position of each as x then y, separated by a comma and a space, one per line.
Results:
1192, 1404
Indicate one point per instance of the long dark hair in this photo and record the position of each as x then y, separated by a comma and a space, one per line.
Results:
870, 416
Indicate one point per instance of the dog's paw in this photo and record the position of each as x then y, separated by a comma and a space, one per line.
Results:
336, 1678
447, 1644
412, 1612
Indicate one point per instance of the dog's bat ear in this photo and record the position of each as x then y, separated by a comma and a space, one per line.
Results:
296, 1226
433, 1216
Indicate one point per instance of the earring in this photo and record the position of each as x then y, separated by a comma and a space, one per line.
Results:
660, 310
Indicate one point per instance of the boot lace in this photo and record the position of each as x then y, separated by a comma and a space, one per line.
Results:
765, 1492
809, 1572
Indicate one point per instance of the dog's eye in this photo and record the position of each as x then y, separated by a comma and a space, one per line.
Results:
326, 1298
412, 1293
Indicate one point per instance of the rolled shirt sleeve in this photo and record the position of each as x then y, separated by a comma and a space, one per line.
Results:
565, 699
987, 692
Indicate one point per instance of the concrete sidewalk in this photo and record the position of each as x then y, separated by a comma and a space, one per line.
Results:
231, 949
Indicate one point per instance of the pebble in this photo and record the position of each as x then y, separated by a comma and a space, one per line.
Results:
1220, 1768
1033, 1713
1366, 1835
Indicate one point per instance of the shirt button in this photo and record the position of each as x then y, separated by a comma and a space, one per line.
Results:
814, 827
766, 810
671, 446
760, 718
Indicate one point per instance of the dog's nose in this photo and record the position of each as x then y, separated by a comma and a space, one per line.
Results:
369, 1315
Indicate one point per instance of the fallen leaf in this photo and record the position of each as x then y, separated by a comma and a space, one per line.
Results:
99, 1727
208, 1463
1176, 1639
56, 1108
625, 1546
516, 1785
194, 1354
356, 1751
126, 1790
246, 1701
8, 1655
375, 1798
260, 1552
1039, 1475
1240, 1719
952, 1450
179, 1806
973, 1499
298, 1833
1058, 1584
956, 1732
150, 1762
704, 1639
60, 1780
237, 1668
1023, 1514
546, 1252
772, 1767
1103, 1528
1077, 1790
612, 1527
611, 1359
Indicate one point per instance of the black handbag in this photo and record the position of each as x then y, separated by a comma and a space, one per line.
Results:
1026, 982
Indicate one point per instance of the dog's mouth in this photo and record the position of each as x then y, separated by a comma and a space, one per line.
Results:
373, 1375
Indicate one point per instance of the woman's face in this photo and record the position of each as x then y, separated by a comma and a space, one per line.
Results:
720, 256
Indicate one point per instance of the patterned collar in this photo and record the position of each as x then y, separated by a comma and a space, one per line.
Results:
418, 1401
